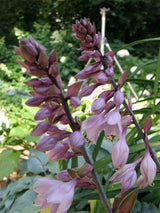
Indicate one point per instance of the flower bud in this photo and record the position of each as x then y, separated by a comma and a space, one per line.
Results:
46, 143
76, 139
63, 176
84, 170
75, 102
43, 114
43, 60
40, 129
148, 168
147, 125
87, 90
53, 57
98, 106
118, 97
35, 101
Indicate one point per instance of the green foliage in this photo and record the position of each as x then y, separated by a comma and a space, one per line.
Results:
18, 197
9, 161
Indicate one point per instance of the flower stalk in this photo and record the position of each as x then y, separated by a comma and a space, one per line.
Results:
82, 148
130, 112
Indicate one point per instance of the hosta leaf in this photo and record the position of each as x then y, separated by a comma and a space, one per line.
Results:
9, 160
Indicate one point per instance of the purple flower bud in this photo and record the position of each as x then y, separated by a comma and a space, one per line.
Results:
75, 102
84, 57
43, 114
84, 170
27, 47
147, 125
46, 143
34, 83
40, 129
87, 90
102, 78
54, 70
43, 60
118, 98
109, 71
41, 91
122, 78
38, 46
59, 152
73, 89
76, 139
53, 57
148, 168
63, 176
98, 106
35, 101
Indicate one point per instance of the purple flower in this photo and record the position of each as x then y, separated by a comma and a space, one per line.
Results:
126, 175
98, 105
120, 151
55, 194
76, 139
93, 125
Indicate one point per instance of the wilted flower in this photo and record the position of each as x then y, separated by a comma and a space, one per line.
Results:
55, 194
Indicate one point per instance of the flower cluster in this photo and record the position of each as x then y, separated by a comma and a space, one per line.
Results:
106, 110
108, 115
59, 144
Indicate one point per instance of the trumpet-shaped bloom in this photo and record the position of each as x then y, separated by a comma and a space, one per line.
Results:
55, 194
120, 151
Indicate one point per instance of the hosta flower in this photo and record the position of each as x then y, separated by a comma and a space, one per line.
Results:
126, 175
55, 194
120, 151
148, 167
93, 125
76, 139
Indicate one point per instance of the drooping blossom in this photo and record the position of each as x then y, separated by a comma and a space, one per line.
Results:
120, 151
55, 194
126, 175
148, 167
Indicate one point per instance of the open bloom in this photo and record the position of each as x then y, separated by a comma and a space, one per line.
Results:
55, 194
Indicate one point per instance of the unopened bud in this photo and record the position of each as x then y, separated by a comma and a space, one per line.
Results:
76, 139
98, 105
84, 170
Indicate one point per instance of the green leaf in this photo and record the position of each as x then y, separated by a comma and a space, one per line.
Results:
9, 160
102, 162
24, 203
36, 161
143, 207
139, 42
98, 145
156, 81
